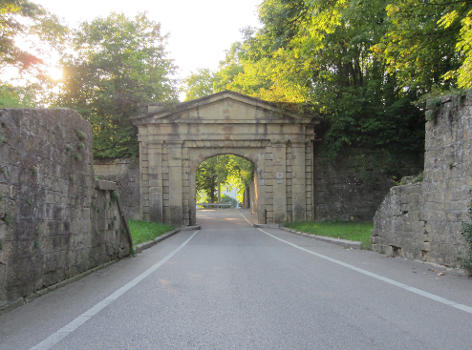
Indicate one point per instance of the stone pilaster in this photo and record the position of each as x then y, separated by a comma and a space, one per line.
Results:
175, 184
298, 182
279, 182
155, 183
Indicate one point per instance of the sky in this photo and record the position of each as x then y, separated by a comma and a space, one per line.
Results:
199, 30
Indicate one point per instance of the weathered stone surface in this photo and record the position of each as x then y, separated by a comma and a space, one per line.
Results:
175, 140
402, 230
351, 188
125, 173
105, 185
431, 228
48, 201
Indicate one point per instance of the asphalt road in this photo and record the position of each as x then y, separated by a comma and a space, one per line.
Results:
232, 286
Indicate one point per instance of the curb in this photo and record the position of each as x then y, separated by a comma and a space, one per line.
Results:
266, 225
140, 247
338, 241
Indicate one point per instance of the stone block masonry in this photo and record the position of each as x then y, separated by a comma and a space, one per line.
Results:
352, 187
174, 141
423, 221
125, 172
54, 223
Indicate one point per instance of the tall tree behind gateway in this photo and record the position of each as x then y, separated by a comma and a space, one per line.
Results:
119, 64
318, 53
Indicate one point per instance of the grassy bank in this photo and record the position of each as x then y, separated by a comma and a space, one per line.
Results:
353, 231
143, 231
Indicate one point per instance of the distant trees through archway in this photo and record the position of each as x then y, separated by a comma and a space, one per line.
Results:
224, 173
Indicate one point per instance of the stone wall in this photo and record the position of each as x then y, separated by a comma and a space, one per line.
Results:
54, 224
352, 186
435, 233
402, 231
347, 189
125, 173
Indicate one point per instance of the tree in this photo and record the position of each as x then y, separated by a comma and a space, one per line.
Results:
199, 84
17, 97
21, 20
463, 73
223, 170
319, 54
211, 173
419, 47
12, 17
119, 65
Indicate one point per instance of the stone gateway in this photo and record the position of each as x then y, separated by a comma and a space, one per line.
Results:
174, 140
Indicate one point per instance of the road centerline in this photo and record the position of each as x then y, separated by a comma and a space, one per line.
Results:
73, 325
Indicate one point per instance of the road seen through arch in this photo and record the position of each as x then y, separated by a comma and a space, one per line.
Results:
233, 286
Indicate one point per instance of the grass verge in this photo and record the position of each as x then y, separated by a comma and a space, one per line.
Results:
143, 231
353, 231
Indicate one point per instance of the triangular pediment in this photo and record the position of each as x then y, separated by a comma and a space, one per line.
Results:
223, 107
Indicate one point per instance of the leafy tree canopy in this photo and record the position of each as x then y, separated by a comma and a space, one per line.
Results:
223, 170
118, 65
319, 53
199, 84
20, 19
427, 45
17, 97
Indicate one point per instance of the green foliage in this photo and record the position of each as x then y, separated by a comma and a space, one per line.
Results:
353, 231
14, 15
35, 169
320, 54
464, 48
20, 20
6, 218
143, 231
17, 97
119, 65
230, 200
210, 173
433, 107
420, 44
199, 84
81, 135
114, 195
467, 233
223, 170
411, 179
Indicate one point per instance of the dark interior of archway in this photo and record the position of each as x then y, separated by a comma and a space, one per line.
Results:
222, 172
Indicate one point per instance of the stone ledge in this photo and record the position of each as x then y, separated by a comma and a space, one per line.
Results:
105, 185
338, 241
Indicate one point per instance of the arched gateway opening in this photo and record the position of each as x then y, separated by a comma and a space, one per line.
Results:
174, 140
225, 180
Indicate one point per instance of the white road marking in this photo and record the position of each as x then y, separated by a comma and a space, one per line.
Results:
245, 218
404, 286
60, 334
